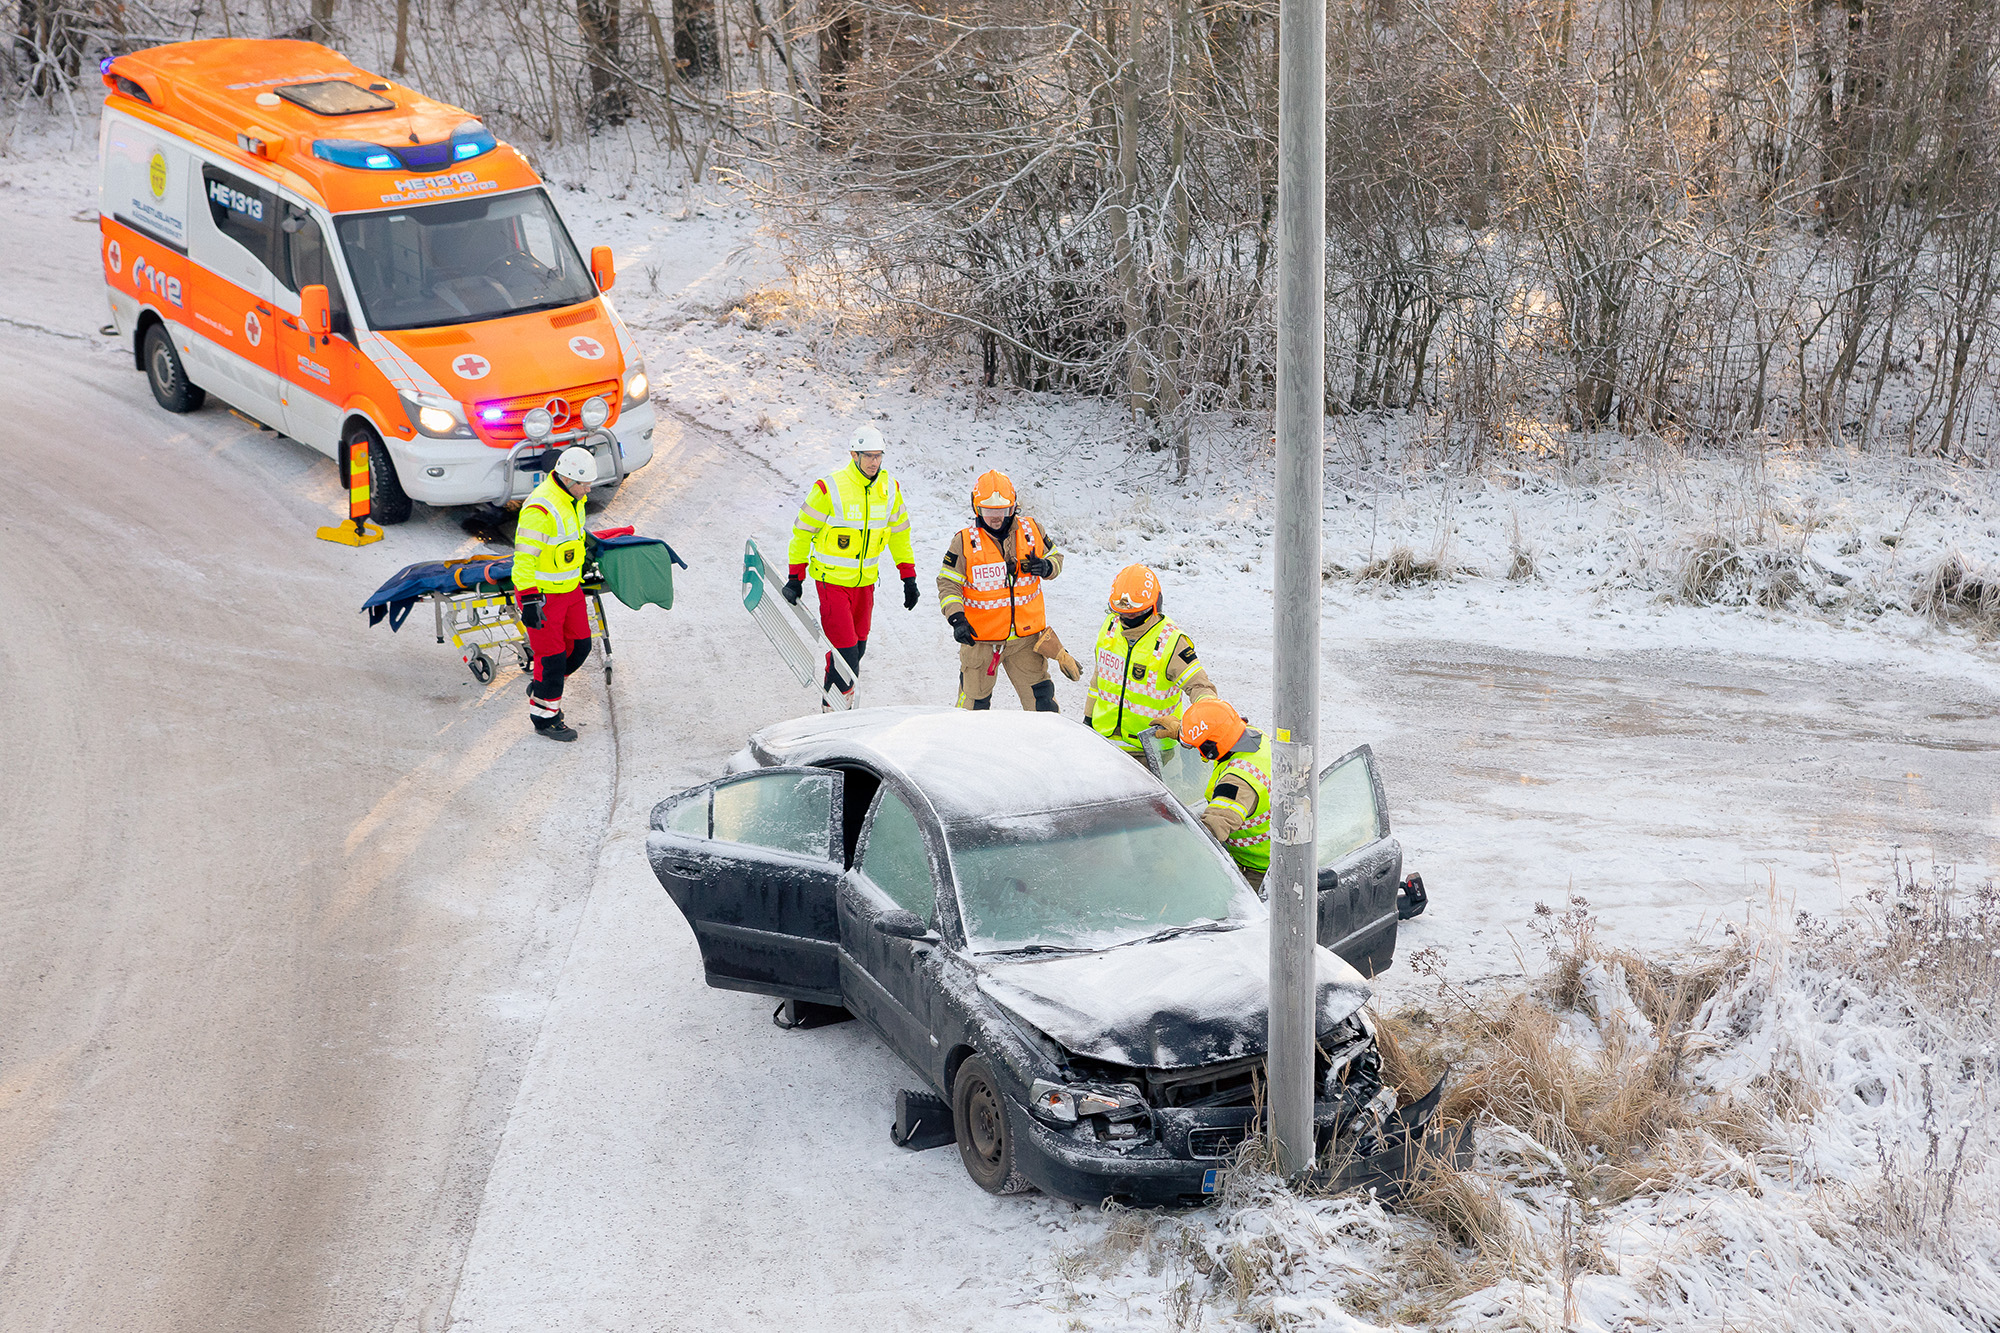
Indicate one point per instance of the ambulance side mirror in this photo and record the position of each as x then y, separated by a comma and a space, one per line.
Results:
315, 310
600, 267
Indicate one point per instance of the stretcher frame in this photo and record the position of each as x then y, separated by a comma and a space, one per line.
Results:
485, 617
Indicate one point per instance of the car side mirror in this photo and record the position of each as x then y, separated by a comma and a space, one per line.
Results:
601, 270
315, 310
903, 925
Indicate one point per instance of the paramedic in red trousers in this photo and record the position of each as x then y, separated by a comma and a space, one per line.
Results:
849, 517
548, 572
990, 590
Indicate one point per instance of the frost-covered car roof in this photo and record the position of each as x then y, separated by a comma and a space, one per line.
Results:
971, 765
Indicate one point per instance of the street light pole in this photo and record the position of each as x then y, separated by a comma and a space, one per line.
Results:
1292, 881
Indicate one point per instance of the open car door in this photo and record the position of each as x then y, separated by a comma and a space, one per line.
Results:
753, 862
1360, 865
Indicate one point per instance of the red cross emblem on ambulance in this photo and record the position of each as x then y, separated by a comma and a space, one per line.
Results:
471, 367
588, 348
253, 328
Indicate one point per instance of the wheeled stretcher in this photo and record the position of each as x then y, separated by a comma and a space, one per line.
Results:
472, 601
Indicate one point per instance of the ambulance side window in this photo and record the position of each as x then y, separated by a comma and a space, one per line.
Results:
307, 262
245, 214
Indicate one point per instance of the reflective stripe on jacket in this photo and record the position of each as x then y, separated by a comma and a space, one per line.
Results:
1134, 684
999, 599
845, 523
548, 540
1250, 844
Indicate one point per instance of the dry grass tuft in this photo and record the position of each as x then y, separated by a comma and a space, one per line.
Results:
1716, 571
1958, 591
1401, 568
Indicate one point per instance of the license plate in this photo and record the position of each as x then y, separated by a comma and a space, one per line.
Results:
1209, 1179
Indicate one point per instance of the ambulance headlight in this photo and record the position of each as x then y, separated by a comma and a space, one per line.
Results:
439, 418
636, 387
537, 423
595, 412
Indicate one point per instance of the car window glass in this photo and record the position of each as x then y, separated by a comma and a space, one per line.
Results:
787, 812
896, 861
1186, 776
307, 262
1090, 878
244, 212
538, 240
1347, 816
690, 817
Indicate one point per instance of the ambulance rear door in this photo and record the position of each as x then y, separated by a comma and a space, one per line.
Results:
233, 240
142, 211
317, 372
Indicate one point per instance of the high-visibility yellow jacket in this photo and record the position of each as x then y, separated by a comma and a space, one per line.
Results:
1239, 805
1139, 680
548, 540
844, 525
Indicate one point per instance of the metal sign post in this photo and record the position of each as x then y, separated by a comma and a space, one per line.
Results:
1292, 882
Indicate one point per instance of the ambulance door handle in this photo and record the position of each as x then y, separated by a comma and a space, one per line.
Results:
263, 309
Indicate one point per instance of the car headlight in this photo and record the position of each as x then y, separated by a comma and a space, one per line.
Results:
637, 386
595, 412
536, 423
1055, 1101
439, 418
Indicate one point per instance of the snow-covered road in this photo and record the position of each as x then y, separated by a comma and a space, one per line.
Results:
333, 999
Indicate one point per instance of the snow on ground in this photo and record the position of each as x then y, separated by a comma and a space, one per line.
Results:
667, 1146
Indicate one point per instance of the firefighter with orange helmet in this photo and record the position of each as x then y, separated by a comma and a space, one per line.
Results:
1145, 668
1238, 812
990, 590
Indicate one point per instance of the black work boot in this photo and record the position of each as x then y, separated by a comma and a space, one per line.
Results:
554, 729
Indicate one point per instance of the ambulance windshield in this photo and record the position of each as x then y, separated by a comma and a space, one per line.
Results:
463, 261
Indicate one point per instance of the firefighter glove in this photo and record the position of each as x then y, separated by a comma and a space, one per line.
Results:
961, 628
909, 594
531, 610
1040, 566
792, 589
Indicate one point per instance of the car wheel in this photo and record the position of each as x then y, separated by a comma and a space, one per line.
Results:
387, 503
172, 389
985, 1138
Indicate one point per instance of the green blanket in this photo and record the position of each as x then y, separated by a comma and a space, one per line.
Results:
639, 574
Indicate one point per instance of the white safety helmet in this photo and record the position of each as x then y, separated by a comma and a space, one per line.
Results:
867, 440
577, 464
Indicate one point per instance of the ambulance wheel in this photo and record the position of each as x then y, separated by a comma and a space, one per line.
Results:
387, 502
172, 389
482, 668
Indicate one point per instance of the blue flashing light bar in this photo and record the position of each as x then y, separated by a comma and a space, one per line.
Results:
355, 153
470, 140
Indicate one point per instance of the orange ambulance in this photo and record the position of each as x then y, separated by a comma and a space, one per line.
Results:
346, 260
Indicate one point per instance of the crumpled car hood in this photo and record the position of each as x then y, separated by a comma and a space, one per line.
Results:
1179, 1003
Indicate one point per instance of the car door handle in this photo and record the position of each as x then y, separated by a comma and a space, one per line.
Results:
263, 309
680, 867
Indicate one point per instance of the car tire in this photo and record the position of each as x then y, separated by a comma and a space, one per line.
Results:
172, 389
985, 1136
388, 505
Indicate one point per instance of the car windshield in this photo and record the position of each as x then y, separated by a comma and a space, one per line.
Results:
468, 260
1090, 878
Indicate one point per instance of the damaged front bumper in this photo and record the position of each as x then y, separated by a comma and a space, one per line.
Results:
1182, 1164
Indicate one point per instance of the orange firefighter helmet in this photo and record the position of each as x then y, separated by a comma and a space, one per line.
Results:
1211, 728
993, 490
1136, 589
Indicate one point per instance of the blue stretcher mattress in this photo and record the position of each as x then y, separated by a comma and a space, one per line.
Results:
394, 600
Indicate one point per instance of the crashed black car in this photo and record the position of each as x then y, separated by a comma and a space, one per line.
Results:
1043, 931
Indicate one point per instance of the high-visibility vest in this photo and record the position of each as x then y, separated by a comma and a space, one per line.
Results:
1134, 685
548, 540
1250, 844
845, 524
998, 606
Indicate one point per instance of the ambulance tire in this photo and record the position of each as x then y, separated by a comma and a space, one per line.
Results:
172, 389
387, 503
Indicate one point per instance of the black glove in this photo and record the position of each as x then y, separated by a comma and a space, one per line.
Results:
531, 610
909, 594
1040, 566
792, 590
961, 628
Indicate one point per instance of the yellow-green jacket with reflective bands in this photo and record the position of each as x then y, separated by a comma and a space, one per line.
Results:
1135, 682
1250, 773
844, 525
548, 540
